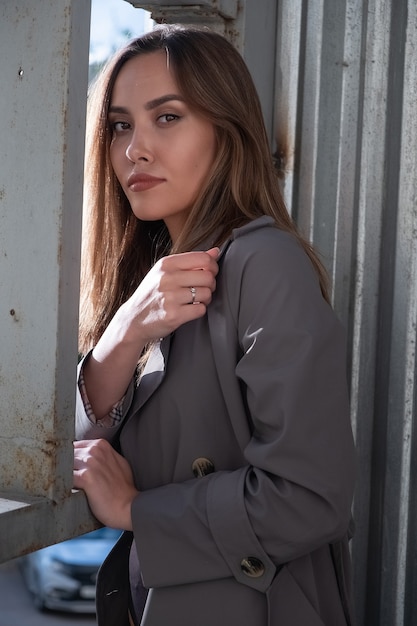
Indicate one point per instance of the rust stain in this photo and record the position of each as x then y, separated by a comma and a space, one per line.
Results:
282, 154
37, 469
14, 315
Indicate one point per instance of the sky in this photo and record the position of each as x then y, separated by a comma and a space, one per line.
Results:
109, 20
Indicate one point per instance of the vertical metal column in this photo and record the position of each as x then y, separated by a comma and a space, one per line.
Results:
44, 69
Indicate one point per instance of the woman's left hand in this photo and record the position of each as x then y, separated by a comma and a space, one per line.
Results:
107, 480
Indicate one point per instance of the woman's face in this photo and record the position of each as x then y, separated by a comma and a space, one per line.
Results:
161, 150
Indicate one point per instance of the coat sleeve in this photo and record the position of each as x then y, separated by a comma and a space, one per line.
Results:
295, 493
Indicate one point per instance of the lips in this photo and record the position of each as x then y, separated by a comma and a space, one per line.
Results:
142, 182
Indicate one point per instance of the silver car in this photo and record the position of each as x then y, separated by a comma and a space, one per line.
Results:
62, 577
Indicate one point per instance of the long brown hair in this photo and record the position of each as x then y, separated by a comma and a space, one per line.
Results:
119, 249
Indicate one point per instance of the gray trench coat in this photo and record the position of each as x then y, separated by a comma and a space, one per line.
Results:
240, 442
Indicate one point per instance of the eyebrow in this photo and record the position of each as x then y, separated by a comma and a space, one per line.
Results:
152, 104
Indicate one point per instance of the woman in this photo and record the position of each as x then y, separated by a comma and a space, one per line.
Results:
213, 413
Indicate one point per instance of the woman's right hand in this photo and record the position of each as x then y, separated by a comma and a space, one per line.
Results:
162, 302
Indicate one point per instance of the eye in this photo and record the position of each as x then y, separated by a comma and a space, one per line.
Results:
166, 118
119, 127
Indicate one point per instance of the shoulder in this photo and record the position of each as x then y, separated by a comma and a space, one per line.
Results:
260, 246
267, 281
261, 229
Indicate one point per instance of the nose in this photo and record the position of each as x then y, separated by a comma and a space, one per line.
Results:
139, 148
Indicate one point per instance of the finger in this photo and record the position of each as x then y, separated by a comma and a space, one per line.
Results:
78, 463
194, 299
193, 293
198, 278
178, 289
77, 481
189, 260
214, 253
192, 311
93, 453
82, 443
197, 295
101, 444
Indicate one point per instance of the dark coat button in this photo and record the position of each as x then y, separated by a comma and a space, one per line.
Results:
252, 567
202, 467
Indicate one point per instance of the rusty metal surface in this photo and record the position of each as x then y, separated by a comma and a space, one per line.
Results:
28, 524
44, 47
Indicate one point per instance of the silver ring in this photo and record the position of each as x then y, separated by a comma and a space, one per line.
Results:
193, 292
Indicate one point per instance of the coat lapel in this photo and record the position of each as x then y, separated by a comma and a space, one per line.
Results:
154, 371
223, 336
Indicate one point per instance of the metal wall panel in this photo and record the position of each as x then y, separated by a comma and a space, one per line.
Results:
44, 70
347, 76
40, 216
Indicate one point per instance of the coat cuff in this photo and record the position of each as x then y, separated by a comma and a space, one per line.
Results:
85, 425
233, 533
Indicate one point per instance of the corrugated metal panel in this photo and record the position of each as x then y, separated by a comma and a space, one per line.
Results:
348, 73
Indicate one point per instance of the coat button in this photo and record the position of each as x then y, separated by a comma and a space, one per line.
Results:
252, 567
202, 467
